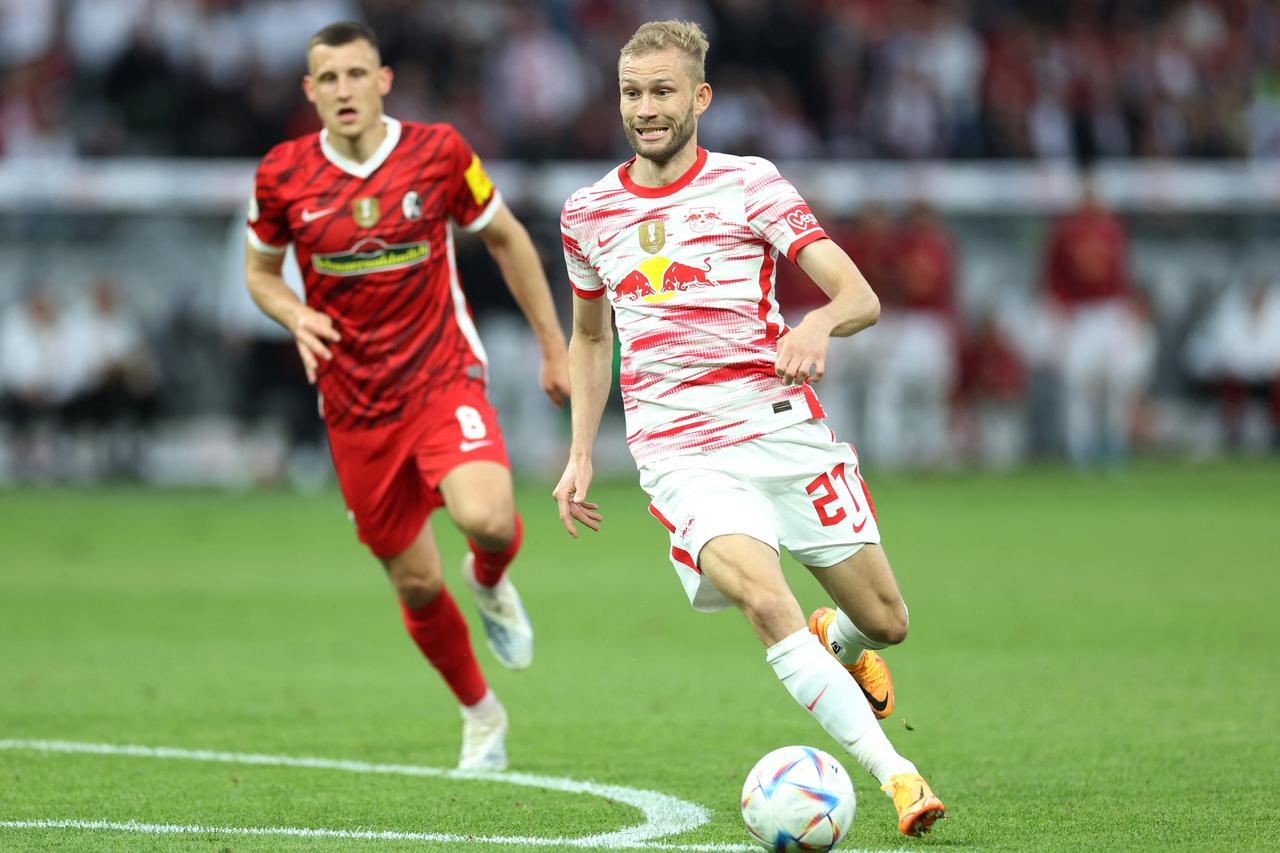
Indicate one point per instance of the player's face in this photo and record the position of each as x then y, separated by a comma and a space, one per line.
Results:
660, 104
347, 84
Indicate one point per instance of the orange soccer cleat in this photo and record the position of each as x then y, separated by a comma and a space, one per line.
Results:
870, 670
917, 806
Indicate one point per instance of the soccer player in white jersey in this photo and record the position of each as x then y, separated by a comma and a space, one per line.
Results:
721, 417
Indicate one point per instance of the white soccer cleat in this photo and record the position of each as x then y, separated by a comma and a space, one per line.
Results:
484, 740
506, 623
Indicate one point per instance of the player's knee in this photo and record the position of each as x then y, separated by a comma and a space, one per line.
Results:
418, 592
492, 529
890, 624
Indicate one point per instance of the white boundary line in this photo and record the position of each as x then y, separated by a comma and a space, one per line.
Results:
664, 814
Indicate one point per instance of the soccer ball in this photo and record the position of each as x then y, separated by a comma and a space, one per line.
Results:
798, 798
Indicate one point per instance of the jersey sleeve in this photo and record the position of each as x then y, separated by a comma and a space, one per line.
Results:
473, 199
776, 212
583, 278
268, 214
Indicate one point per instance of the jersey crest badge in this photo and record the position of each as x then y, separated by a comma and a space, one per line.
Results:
653, 235
366, 211
411, 205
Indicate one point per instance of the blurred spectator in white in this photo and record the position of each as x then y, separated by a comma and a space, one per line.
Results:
116, 407
1106, 347
953, 60
910, 385
27, 30
40, 364
40, 373
1235, 351
98, 32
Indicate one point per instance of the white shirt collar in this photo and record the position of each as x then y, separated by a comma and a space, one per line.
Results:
368, 167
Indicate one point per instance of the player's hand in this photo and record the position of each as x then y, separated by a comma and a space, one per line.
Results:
571, 494
310, 331
802, 354
555, 375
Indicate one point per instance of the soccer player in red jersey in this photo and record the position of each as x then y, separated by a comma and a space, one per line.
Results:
1103, 345
678, 248
387, 336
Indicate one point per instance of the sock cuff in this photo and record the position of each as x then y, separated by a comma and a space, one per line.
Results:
793, 652
431, 609
844, 625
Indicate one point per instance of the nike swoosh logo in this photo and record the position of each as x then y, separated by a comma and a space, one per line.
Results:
879, 705
468, 446
857, 528
607, 240
811, 705
311, 215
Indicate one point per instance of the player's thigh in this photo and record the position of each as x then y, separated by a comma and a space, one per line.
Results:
416, 571
864, 587
385, 496
480, 498
749, 574
699, 499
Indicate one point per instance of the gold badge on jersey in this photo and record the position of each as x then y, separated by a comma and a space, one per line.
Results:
366, 211
653, 235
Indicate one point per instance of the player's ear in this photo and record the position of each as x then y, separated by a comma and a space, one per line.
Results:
701, 98
308, 88
384, 80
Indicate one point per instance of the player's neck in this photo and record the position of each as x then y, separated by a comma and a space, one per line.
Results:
362, 147
647, 173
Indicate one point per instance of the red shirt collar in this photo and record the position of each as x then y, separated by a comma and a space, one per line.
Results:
659, 192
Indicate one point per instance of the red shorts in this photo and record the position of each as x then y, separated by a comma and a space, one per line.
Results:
390, 475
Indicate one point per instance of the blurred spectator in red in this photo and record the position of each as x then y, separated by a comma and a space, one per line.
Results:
991, 397
1105, 344
911, 382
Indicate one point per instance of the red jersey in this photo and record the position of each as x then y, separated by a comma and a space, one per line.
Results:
375, 247
1088, 258
926, 271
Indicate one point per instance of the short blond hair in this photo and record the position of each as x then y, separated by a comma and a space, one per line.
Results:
686, 36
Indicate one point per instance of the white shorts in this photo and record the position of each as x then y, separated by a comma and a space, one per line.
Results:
797, 487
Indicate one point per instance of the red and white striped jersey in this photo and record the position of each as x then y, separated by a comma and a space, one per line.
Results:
689, 271
375, 247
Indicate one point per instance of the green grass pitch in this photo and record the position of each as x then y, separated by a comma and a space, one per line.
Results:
1094, 663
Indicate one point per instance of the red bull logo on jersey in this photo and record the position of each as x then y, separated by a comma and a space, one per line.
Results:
657, 279
372, 255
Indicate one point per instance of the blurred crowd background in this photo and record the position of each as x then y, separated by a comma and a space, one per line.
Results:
1115, 292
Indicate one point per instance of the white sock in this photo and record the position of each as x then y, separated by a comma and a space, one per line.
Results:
487, 708
847, 641
825, 689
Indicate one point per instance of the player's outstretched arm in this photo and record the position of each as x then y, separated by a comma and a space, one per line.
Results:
802, 351
590, 375
311, 329
517, 258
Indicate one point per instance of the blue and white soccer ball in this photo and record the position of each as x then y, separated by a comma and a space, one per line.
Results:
798, 798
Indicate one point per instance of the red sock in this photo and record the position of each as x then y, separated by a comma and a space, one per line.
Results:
441, 633
491, 567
